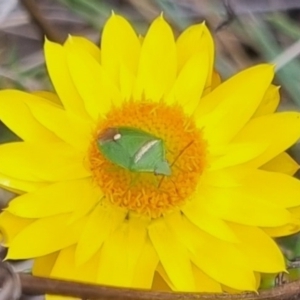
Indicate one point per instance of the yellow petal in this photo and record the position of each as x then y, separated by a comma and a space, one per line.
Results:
232, 113
173, 256
42, 266
59, 73
55, 297
162, 272
120, 46
190, 83
67, 126
49, 96
65, 267
253, 209
277, 188
158, 63
198, 214
145, 267
208, 43
16, 115
93, 194
119, 268
136, 240
230, 290
92, 238
127, 80
114, 257
11, 225
84, 44
159, 284
93, 84
209, 104
196, 38
41, 162
234, 154
282, 163
263, 253
59, 197
269, 103
215, 80
52, 233
258, 279
188, 43
279, 131
220, 260
19, 186
282, 230
204, 283
295, 211
229, 177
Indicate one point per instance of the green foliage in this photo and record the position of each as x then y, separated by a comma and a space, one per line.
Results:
272, 280
290, 246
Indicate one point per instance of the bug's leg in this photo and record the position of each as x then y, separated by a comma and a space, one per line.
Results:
174, 161
181, 152
179, 168
161, 181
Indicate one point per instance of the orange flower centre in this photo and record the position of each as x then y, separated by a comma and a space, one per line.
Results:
148, 193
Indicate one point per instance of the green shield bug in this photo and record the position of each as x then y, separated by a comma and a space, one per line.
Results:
134, 150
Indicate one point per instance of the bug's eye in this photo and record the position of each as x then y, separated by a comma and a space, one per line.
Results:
117, 136
108, 135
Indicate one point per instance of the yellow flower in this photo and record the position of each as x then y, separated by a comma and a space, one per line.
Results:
209, 226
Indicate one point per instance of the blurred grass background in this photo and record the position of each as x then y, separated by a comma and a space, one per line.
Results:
260, 30
256, 31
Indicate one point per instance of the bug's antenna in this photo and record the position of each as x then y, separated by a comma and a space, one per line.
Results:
230, 16
181, 152
175, 159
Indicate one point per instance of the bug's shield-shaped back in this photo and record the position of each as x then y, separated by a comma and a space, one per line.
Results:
151, 158
134, 150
